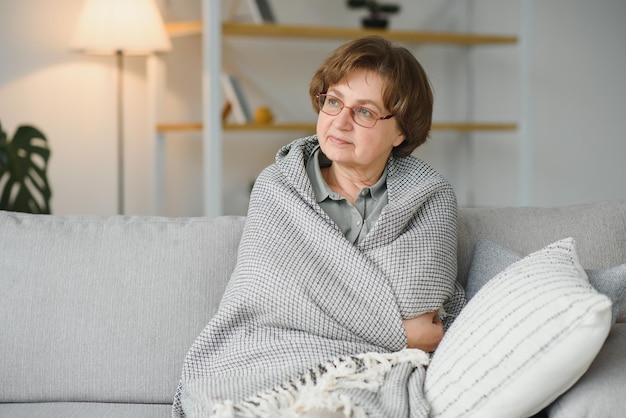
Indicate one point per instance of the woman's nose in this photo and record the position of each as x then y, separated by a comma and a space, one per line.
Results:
344, 118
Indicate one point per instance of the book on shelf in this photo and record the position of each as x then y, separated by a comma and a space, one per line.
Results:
236, 98
261, 11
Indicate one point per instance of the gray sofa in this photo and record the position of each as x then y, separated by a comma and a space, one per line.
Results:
97, 313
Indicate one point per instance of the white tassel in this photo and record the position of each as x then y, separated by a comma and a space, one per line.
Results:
317, 389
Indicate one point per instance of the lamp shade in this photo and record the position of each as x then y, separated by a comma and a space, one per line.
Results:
134, 27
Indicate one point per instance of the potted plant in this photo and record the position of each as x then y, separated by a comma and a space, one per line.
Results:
24, 183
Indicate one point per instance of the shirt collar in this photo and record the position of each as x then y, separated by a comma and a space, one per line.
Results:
380, 187
313, 169
317, 160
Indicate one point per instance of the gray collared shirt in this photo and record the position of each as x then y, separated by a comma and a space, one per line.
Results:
355, 221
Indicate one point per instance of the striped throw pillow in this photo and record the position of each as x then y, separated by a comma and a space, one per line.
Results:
526, 337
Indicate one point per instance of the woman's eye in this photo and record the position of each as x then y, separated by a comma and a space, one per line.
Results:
333, 102
363, 111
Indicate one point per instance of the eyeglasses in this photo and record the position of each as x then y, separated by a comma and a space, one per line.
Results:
362, 116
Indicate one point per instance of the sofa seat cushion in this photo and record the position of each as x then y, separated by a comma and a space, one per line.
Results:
84, 409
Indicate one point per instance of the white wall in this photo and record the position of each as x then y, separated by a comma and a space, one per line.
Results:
579, 102
71, 99
578, 90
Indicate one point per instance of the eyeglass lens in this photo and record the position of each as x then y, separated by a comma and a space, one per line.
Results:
360, 115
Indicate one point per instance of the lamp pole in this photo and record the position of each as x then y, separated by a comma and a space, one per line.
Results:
120, 131
120, 27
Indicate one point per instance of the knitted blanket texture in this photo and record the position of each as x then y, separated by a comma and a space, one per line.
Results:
308, 319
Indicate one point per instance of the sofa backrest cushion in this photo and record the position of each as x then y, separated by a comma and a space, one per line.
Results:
598, 228
105, 308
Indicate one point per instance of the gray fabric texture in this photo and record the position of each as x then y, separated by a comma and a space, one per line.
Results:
84, 410
321, 413
103, 309
302, 294
598, 228
490, 259
600, 392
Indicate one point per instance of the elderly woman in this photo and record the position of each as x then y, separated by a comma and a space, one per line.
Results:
347, 262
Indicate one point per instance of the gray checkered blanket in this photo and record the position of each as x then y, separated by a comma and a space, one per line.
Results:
309, 320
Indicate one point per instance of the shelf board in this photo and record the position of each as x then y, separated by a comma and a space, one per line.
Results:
178, 127
323, 32
473, 127
310, 127
305, 127
183, 28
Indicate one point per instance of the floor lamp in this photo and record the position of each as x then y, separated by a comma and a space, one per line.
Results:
120, 27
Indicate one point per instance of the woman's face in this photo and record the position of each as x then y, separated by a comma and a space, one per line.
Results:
350, 145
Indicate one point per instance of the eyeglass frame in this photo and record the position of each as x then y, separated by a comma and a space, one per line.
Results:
319, 97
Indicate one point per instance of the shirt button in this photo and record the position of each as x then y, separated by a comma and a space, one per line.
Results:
364, 192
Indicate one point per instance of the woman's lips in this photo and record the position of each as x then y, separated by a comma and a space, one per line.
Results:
337, 141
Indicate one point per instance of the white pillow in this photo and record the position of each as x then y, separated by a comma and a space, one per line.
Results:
526, 337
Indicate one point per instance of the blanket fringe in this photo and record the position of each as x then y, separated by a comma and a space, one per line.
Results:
317, 388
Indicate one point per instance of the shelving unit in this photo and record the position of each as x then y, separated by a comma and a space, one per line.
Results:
213, 30
193, 28
310, 127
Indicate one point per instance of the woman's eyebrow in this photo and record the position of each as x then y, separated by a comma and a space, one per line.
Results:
360, 102
370, 105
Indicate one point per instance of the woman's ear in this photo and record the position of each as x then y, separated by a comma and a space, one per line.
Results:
399, 140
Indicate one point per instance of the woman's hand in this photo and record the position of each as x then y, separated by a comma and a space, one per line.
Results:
424, 331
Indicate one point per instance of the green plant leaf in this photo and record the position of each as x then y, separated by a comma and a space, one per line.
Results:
24, 183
